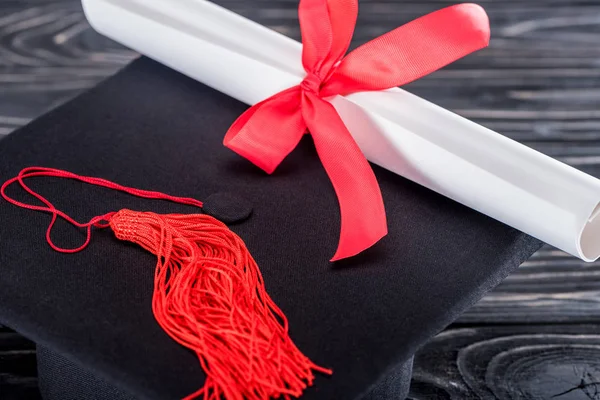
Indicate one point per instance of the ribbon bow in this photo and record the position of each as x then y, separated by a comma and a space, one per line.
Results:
271, 129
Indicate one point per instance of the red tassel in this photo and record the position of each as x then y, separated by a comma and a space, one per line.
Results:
209, 295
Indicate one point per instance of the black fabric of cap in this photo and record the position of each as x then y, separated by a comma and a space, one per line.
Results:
152, 128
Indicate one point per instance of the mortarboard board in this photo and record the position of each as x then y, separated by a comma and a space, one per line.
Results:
152, 128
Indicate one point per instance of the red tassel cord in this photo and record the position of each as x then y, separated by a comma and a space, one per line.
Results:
209, 294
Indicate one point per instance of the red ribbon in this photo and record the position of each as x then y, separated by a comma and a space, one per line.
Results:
270, 130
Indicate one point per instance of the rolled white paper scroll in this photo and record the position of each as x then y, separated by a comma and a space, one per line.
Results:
394, 129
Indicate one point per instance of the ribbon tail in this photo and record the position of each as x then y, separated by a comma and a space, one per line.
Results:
412, 51
363, 220
267, 132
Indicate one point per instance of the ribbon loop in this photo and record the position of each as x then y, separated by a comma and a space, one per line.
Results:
327, 27
256, 137
270, 130
412, 51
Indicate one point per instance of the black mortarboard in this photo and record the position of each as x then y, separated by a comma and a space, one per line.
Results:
152, 128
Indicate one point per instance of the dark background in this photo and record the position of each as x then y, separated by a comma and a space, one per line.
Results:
537, 336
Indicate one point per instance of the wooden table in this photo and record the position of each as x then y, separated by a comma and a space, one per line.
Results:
537, 336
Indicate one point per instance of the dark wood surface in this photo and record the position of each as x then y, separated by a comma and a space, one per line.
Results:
537, 336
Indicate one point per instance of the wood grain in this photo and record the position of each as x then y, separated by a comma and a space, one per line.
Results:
515, 362
18, 374
48, 54
538, 83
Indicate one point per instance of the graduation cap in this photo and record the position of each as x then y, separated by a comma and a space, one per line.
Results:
363, 317
149, 127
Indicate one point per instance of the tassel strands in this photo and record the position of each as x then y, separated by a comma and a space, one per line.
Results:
209, 295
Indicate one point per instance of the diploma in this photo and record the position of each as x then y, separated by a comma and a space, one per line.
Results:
393, 128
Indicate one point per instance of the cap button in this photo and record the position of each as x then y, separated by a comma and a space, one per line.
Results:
227, 207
